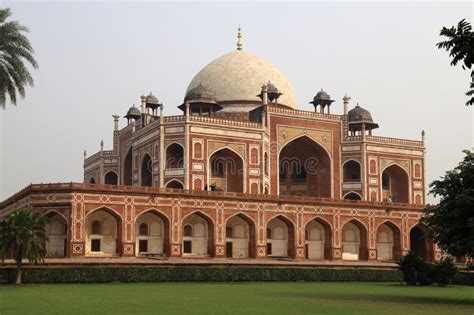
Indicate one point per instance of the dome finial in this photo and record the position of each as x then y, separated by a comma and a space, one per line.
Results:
239, 39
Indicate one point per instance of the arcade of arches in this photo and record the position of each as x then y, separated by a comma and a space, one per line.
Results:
304, 169
237, 236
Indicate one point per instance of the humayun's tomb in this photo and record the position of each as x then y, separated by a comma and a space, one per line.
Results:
242, 173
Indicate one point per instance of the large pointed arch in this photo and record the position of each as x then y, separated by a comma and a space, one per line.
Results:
128, 168
155, 243
56, 230
281, 237
201, 240
103, 226
111, 178
146, 171
354, 240
241, 241
226, 171
395, 182
419, 242
388, 240
305, 168
174, 155
319, 247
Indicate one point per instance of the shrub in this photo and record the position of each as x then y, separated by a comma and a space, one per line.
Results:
445, 271
409, 265
416, 270
195, 274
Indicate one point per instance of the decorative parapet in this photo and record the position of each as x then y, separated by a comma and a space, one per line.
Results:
304, 113
156, 192
225, 122
386, 140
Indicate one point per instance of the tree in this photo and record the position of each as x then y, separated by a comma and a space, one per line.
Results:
23, 234
451, 223
15, 49
460, 45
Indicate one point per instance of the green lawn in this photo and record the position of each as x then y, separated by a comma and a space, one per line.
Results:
235, 298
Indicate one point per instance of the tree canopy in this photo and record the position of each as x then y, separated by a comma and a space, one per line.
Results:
451, 223
460, 44
15, 52
23, 235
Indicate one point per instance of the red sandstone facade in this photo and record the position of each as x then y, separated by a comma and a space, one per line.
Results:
241, 178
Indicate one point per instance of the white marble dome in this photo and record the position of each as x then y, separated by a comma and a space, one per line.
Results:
239, 76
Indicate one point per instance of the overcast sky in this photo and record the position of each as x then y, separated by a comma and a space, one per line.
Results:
97, 59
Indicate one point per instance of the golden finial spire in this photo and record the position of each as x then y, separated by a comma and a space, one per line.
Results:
239, 39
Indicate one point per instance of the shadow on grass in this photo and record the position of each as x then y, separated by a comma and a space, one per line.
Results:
375, 298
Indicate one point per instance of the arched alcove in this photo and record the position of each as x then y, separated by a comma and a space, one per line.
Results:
152, 233
111, 178
318, 240
146, 170
419, 242
103, 233
127, 169
351, 172
304, 169
240, 237
395, 184
227, 173
280, 238
354, 241
56, 230
198, 235
174, 156
388, 242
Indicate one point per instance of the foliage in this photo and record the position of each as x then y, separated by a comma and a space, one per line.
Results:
196, 274
460, 44
15, 49
418, 271
451, 223
445, 271
23, 235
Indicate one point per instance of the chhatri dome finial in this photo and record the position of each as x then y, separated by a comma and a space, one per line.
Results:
239, 39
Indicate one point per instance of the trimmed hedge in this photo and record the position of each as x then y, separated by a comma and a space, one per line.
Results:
194, 274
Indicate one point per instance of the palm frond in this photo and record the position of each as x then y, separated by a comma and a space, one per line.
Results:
15, 53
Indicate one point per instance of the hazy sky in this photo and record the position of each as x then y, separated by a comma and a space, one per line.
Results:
97, 59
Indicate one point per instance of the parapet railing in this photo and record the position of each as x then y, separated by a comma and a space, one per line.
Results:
227, 122
280, 110
174, 118
154, 191
378, 139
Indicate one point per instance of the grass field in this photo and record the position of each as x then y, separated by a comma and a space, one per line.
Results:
235, 298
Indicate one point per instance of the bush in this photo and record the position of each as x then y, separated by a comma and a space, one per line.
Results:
195, 274
418, 271
445, 271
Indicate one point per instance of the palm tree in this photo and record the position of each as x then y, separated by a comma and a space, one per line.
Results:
460, 45
23, 234
15, 49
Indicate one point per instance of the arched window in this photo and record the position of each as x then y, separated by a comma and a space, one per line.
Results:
395, 184
127, 169
96, 227
146, 171
229, 232
174, 156
266, 165
188, 230
352, 196
143, 229
111, 178
351, 171
92, 181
